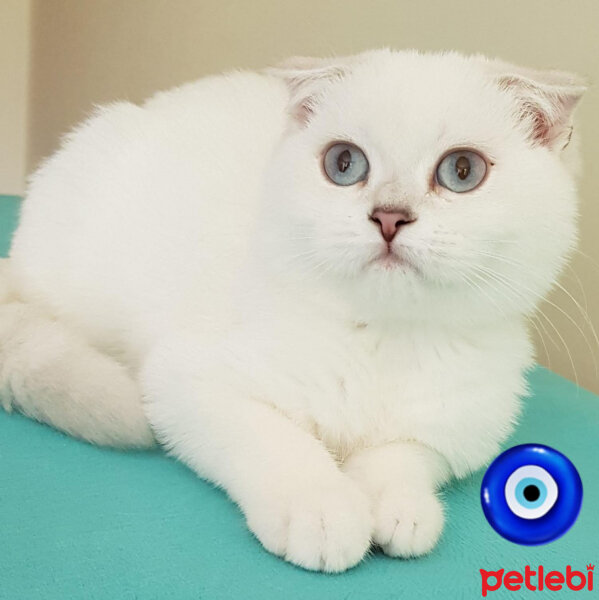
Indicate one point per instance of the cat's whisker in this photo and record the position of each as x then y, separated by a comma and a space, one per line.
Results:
506, 287
544, 328
508, 283
567, 348
499, 279
583, 312
532, 321
492, 241
484, 293
561, 310
580, 286
589, 258
559, 286
561, 338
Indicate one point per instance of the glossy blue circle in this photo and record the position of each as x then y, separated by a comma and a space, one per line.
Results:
561, 516
525, 483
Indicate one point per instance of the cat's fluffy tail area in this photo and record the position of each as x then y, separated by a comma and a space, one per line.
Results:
50, 374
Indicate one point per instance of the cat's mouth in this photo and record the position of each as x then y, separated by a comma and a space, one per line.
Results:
390, 259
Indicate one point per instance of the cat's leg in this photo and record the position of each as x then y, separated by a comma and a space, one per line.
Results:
295, 498
401, 480
51, 374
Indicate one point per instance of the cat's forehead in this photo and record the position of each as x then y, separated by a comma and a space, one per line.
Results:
410, 99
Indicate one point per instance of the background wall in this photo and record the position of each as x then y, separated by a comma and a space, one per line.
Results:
92, 51
14, 70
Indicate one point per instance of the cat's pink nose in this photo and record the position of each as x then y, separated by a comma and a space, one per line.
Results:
390, 222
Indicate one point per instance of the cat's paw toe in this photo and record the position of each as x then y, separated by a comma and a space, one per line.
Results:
407, 524
323, 528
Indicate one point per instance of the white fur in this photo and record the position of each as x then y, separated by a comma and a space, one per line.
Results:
194, 245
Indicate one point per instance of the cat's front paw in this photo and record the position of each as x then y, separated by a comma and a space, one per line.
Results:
407, 523
324, 527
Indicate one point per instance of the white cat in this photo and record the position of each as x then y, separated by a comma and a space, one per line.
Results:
312, 282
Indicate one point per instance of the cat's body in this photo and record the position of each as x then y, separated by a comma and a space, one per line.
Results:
191, 246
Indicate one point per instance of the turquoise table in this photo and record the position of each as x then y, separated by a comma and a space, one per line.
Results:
79, 522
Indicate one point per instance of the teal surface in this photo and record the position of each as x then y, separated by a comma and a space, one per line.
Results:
79, 522
9, 215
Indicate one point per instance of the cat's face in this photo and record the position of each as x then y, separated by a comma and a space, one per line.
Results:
417, 178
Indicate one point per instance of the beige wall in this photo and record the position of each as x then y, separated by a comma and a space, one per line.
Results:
14, 68
91, 51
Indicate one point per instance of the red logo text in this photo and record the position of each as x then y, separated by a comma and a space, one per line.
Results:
537, 580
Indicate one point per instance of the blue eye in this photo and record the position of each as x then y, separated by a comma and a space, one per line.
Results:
461, 171
345, 164
531, 494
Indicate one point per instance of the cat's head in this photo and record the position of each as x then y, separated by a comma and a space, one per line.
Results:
425, 183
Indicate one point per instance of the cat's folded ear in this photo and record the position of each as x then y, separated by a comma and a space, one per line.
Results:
545, 102
307, 78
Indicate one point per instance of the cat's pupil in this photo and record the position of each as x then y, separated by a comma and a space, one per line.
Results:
344, 161
462, 166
